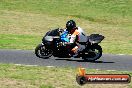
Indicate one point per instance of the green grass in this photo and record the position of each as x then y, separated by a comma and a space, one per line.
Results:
18, 41
49, 77
112, 18
88, 9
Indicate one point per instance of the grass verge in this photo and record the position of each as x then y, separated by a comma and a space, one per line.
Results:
12, 41
49, 77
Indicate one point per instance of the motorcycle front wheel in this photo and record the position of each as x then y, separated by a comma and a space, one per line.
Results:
93, 54
42, 52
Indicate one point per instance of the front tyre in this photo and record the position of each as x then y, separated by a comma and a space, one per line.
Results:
42, 52
93, 54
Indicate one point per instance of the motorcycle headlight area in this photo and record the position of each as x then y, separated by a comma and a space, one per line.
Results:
49, 38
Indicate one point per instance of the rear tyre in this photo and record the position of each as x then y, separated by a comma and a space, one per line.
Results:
94, 54
42, 52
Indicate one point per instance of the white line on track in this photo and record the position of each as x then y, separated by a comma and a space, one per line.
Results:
32, 65
110, 70
50, 66
25, 65
106, 70
120, 54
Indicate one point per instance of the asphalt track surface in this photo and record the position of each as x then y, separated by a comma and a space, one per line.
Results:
106, 62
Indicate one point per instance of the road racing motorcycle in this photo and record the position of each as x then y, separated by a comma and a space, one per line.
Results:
52, 45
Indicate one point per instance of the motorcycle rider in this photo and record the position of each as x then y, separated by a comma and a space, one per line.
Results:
77, 37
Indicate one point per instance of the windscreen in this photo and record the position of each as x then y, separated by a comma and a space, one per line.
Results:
53, 33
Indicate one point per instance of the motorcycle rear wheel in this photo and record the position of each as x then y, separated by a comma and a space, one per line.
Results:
42, 52
94, 54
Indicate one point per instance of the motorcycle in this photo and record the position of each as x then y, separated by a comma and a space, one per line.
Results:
52, 45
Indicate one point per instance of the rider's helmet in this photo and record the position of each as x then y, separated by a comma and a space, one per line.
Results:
70, 25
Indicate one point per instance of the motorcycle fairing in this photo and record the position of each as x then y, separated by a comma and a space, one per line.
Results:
50, 35
64, 37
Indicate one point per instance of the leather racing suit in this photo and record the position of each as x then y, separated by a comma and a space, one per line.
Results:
78, 37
